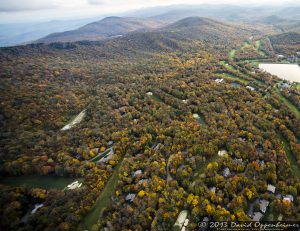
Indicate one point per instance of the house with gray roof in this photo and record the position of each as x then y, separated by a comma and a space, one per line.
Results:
263, 205
271, 188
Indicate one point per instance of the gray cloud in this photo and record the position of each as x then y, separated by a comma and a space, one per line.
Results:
24, 5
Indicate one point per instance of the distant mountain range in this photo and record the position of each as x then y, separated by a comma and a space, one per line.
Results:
284, 18
185, 34
22, 33
110, 27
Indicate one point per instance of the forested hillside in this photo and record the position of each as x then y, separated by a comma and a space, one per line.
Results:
148, 129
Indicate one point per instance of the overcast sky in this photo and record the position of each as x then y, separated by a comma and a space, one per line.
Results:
41, 10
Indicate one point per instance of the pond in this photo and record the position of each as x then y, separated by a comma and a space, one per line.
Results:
34, 181
289, 72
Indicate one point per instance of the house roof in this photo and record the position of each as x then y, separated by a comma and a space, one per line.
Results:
257, 216
138, 172
222, 152
130, 197
212, 189
288, 198
271, 188
263, 205
226, 172
181, 218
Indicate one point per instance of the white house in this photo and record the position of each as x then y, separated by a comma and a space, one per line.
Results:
289, 198
250, 88
263, 205
226, 172
149, 93
218, 81
74, 185
181, 219
138, 172
130, 197
271, 188
212, 189
222, 152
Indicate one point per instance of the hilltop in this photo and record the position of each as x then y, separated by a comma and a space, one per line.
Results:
106, 28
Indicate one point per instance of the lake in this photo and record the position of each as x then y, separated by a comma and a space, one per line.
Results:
289, 72
33, 181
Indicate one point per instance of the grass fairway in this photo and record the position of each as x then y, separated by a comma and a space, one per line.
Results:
233, 77
257, 44
232, 54
229, 67
102, 201
290, 156
289, 104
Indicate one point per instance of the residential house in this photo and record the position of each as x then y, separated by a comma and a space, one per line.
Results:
271, 188
250, 88
130, 197
263, 205
226, 172
257, 216
289, 198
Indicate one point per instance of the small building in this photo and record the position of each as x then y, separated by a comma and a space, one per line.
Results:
238, 161
36, 207
130, 197
218, 81
257, 216
181, 219
196, 116
212, 189
280, 56
226, 172
186, 222
138, 172
289, 198
184, 101
205, 219
261, 163
222, 152
156, 147
280, 217
271, 188
142, 181
286, 85
149, 93
74, 185
250, 88
263, 205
